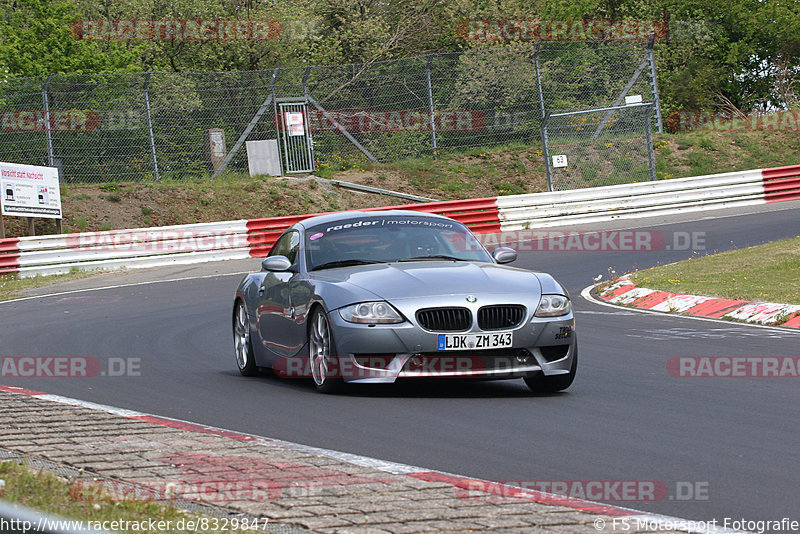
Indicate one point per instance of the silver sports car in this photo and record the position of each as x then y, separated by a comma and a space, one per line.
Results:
373, 296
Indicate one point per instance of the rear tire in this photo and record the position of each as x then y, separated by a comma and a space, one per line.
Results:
552, 384
242, 345
322, 354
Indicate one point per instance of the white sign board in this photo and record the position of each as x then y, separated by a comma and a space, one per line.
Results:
633, 99
559, 161
30, 191
294, 120
217, 143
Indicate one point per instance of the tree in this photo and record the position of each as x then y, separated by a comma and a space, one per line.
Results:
36, 39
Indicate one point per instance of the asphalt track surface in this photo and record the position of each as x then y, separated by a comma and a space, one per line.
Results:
624, 418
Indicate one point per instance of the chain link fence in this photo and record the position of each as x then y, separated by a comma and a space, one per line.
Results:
598, 106
156, 126
579, 156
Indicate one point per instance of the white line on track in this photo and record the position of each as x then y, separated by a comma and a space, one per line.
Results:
118, 286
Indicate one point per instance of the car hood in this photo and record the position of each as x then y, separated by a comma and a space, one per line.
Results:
393, 281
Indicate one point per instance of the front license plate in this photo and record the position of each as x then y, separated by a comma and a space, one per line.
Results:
495, 340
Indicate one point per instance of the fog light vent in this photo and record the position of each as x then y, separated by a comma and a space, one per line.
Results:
555, 352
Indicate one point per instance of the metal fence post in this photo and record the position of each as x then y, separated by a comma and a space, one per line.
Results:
276, 120
150, 128
305, 80
539, 78
545, 116
546, 152
654, 83
430, 104
50, 156
651, 156
47, 129
309, 140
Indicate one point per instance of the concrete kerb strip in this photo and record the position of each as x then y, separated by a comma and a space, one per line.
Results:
285, 483
86, 480
624, 293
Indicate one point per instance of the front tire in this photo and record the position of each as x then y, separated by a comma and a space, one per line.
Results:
322, 354
242, 344
552, 384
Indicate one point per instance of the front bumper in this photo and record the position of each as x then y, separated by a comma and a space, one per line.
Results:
384, 353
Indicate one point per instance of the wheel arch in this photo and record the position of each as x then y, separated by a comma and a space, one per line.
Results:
313, 307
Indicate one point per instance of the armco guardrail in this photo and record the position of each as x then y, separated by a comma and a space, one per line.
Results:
480, 214
192, 243
642, 199
195, 243
782, 183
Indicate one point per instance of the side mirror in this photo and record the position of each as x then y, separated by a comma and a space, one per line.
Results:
276, 264
504, 255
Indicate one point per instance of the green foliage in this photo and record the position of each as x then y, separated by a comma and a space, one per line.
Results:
741, 53
508, 188
35, 40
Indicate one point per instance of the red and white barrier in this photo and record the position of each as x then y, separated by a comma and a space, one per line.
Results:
626, 293
191, 243
196, 243
643, 199
781, 183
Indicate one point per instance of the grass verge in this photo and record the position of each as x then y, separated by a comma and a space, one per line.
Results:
767, 273
12, 286
53, 495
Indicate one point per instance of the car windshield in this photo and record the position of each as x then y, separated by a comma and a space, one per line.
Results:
385, 239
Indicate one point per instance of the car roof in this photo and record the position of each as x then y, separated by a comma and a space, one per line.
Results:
359, 214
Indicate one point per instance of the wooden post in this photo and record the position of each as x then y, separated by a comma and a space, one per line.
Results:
58, 227
2, 227
31, 229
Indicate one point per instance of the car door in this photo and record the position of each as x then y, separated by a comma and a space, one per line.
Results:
280, 331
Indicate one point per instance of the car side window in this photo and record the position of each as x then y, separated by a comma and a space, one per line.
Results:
287, 246
294, 245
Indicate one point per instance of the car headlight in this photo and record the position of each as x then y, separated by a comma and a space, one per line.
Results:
371, 313
553, 306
